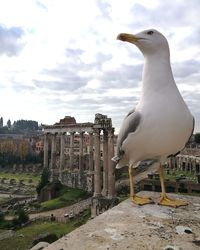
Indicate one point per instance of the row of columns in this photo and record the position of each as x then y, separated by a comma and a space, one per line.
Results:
71, 150
185, 163
107, 180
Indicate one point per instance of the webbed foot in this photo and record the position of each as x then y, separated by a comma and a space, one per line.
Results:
166, 201
141, 200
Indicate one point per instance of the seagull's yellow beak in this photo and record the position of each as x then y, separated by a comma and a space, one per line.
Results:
128, 38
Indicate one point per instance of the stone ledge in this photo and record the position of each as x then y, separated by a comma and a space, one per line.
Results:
128, 226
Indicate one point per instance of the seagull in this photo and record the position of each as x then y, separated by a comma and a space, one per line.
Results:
161, 124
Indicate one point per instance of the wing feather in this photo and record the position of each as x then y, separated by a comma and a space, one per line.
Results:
129, 125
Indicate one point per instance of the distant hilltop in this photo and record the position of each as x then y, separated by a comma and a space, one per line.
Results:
19, 127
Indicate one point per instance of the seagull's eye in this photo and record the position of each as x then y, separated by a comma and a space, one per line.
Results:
150, 32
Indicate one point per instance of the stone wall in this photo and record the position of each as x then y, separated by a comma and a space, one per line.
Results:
74, 179
28, 168
128, 226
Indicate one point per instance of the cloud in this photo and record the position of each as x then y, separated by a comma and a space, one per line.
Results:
73, 74
127, 76
22, 88
166, 14
72, 63
186, 68
10, 40
105, 8
194, 38
41, 5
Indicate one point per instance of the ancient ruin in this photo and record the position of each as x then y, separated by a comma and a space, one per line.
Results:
187, 163
79, 154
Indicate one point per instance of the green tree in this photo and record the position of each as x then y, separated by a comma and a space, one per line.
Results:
28, 125
197, 137
22, 217
44, 180
9, 124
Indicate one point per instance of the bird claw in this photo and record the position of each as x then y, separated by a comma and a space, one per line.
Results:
166, 201
141, 200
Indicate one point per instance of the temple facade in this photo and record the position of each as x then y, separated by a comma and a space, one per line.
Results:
79, 154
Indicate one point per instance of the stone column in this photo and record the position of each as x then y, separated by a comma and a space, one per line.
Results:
186, 164
190, 165
97, 167
177, 162
170, 164
53, 150
183, 163
193, 165
81, 152
46, 151
53, 156
111, 166
196, 167
62, 147
105, 163
180, 162
71, 150
174, 163
90, 151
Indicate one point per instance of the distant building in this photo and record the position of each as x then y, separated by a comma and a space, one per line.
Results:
39, 146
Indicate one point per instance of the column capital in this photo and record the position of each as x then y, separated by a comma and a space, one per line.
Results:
54, 136
105, 132
82, 133
97, 132
47, 135
62, 133
111, 132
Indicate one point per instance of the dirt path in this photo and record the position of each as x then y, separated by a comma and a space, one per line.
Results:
75, 208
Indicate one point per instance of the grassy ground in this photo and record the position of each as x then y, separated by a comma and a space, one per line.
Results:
176, 174
3, 200
19, 176
67, 196
24, 237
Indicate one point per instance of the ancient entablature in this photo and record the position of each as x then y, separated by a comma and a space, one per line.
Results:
100, 134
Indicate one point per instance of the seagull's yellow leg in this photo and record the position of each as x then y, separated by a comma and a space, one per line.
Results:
136, 199
164, 200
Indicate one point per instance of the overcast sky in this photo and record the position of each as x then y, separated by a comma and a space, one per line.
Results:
61, 57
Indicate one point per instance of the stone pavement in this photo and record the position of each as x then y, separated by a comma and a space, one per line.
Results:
128, 226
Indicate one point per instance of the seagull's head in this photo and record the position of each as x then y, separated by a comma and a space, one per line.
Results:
149, 42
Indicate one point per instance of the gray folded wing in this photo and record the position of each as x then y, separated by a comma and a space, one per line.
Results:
130, 124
